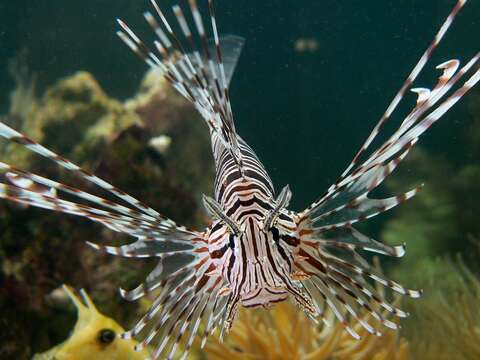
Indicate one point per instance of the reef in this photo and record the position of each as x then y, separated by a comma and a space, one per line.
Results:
153, 146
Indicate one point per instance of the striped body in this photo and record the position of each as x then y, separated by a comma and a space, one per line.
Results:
252, 264
256, 252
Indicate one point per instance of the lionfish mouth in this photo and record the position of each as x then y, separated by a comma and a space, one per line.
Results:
264, 296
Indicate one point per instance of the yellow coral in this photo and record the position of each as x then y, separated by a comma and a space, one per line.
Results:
94, 336
285, 332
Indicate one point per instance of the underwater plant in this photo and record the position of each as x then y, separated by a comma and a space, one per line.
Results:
446, 323
256, 251
95, 336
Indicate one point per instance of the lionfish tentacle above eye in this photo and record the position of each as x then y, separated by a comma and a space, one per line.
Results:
256, 252
282, 202
216, 212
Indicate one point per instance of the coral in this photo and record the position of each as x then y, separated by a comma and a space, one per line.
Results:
73, 111
22, 99
284, 332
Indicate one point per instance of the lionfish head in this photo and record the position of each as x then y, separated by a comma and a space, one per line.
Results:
256, 255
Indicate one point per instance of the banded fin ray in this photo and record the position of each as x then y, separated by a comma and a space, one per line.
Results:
36, 183
201, 79
356, 182
144, 247
336, 273
408, 83
342, 285
119, 223
352, 239
187, 297
16, 137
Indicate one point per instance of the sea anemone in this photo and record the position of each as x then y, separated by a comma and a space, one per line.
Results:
284, 332
446, 324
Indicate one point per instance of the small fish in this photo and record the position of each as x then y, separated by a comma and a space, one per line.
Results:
256, 252
94, 336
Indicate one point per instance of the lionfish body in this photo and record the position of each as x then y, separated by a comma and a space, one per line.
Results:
256, 252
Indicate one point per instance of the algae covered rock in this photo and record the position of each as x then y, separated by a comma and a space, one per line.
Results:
72, 114
115, 140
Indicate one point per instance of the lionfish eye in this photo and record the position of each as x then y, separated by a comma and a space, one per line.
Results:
106, 336
231, 241
275, 233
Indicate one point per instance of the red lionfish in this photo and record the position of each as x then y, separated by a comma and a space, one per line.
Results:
256, 252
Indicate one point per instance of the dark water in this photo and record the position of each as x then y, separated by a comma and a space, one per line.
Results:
304, 113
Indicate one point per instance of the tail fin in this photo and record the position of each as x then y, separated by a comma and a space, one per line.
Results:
201, 76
